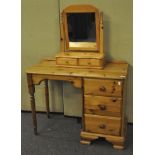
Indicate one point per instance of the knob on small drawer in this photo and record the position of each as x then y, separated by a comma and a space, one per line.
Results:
102, 126
102, 107
114, 99
102, 89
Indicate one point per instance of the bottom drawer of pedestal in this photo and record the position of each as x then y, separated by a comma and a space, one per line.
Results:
102, 124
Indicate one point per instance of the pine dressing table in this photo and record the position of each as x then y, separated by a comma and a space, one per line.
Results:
103, 83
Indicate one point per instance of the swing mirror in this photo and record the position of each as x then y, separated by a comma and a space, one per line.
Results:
81, 27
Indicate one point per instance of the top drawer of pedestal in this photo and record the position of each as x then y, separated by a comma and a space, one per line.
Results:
103, 87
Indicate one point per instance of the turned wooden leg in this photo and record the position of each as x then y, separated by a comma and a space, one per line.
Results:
31, 88
34, 114
47, 98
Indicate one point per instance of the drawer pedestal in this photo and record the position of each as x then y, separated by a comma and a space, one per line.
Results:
103, 114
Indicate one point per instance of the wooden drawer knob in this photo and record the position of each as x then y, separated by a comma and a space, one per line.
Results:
114, 99
102, 107
102, 89
102, 126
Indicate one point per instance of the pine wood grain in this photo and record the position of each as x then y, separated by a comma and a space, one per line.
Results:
110, 71
103, 87
101, 105
117, 141
90, 62
102, 124
67, 61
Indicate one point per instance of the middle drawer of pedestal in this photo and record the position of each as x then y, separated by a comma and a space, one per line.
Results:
101, 105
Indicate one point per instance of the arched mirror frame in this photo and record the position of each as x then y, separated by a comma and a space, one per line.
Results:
65, 37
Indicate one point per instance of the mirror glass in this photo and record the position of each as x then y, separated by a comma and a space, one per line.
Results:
81, 27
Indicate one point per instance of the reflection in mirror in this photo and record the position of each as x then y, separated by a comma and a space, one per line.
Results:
81, 27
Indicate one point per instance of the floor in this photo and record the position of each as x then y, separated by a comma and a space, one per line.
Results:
60, 135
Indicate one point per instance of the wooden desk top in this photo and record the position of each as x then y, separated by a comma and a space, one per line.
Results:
112, 70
